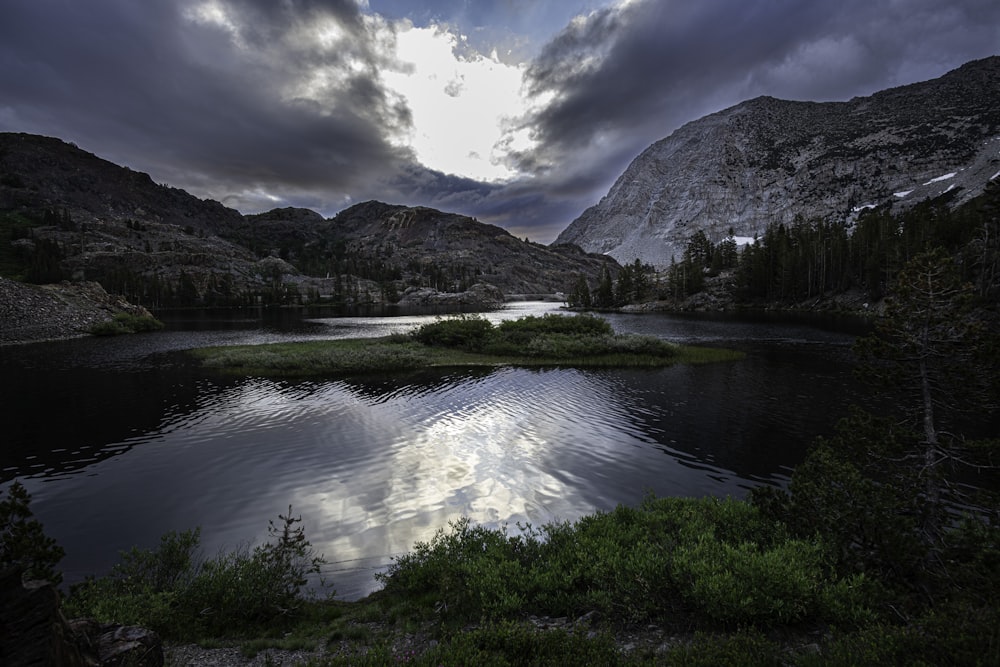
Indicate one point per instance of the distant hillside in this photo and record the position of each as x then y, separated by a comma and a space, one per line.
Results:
453, 248
67, 214
769, 160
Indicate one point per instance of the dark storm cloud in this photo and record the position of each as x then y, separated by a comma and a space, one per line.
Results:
199, 105
523, 207
629, 76
250, 105
275, 13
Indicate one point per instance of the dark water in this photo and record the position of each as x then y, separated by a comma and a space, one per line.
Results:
120, 440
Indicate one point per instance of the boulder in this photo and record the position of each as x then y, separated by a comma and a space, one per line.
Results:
118, 645
34, 632
32, 628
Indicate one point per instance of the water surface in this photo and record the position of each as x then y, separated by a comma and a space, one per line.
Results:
120, 440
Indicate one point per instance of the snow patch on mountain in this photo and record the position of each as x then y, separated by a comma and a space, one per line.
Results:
942, 178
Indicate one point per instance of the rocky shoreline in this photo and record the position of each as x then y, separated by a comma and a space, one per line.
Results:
36, 313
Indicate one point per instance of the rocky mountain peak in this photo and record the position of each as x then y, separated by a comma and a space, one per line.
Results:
770, 160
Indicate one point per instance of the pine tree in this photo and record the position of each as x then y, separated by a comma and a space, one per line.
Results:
881, 493
580, 296
624, 288
930, 344
640, 280
605, 297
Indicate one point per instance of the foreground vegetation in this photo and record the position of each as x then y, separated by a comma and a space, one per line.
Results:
672, 581
549, 340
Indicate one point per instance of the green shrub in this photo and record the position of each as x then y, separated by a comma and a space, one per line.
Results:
569, 337
466, 332
125, 323
742, 648
640, 344
468, 570
23, 541
170, 590
551, 335
742, 583
718, 558
110, 602
305, 358
565, 346
573, 346
875, 645
163, 568
525, 328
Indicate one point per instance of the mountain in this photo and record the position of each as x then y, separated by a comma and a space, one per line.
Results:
769, 160
65, 213
427, 241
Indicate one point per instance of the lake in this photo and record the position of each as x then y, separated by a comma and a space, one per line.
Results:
120, 440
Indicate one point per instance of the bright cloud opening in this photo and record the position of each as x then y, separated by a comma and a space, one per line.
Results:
460, 105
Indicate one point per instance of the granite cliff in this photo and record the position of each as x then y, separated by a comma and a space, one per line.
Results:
768, 160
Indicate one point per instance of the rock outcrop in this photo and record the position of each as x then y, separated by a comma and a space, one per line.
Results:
34, 632
770, 160
32, 628
31, 313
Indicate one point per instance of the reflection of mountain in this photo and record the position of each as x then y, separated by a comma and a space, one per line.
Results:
755, 417
63, 417
380, 388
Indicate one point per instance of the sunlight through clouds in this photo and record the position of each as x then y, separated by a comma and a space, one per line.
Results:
461, 105
457, 108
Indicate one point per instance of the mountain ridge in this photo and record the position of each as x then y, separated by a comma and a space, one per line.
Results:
69, 214
767, 160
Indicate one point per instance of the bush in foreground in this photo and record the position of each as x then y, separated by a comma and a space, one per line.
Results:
714, 560
721, 582
171, 590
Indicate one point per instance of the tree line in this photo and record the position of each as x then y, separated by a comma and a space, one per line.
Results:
809, 258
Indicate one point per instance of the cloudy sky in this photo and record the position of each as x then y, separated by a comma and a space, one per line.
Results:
521, 113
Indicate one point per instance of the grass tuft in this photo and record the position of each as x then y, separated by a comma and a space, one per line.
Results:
126, 323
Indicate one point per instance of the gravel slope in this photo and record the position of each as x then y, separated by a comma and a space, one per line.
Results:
33, 313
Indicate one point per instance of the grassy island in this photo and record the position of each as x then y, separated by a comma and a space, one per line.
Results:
581, 341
